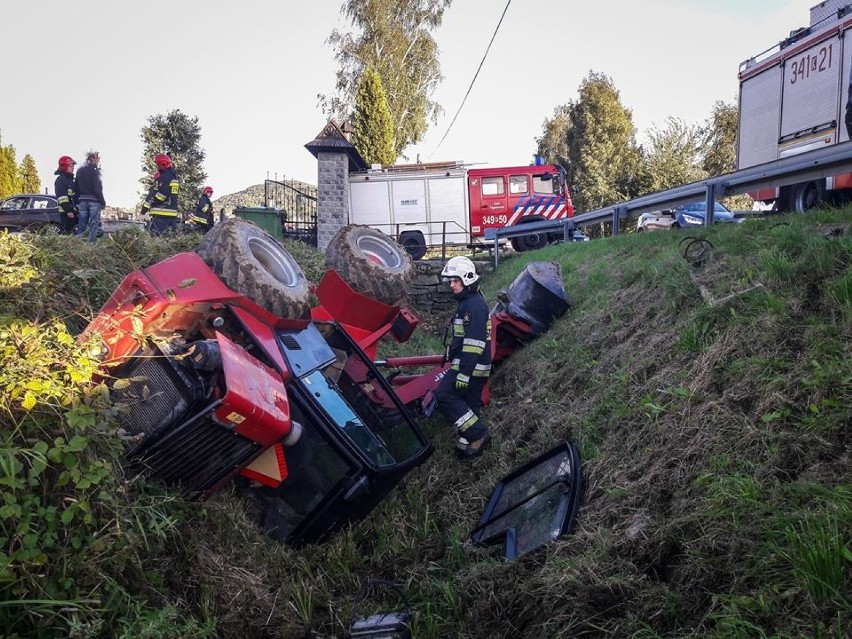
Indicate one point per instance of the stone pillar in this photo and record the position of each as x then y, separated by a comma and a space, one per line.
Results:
332, 196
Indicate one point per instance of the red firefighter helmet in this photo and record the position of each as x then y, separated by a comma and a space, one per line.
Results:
66, 162
207, 190
162, 161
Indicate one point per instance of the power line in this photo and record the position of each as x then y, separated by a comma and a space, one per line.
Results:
476, 75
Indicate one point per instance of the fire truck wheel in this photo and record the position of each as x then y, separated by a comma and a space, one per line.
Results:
372, 263
529, 242
250, 261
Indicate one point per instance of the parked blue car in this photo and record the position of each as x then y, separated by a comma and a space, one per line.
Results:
686, 215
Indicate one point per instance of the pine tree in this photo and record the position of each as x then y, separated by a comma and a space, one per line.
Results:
178, 136
372, 124
30, 181
10, 179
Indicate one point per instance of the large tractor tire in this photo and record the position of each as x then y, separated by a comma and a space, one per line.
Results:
250, 261
372, 263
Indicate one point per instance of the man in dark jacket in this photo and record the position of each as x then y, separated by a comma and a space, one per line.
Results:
90, 196
65, 190
202, 218
162, 199
459, 393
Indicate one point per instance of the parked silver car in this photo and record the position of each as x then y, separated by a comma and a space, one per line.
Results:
686, 215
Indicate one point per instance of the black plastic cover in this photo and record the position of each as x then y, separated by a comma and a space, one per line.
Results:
537, 296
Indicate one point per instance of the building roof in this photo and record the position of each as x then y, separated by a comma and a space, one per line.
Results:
334, 139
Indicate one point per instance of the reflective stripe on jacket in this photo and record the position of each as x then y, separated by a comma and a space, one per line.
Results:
470, 348
65, 189
162, 198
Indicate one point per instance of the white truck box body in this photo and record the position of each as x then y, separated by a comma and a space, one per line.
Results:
424, 201
793, 97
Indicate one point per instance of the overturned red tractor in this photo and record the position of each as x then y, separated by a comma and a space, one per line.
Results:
215, 385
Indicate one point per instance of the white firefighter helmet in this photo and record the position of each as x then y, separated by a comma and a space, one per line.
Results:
462, 268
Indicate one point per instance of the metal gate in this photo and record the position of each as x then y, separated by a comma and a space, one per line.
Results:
298, 202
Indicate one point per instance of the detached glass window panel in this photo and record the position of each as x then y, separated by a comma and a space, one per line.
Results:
533, 505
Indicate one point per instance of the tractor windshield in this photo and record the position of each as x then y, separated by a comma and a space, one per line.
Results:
346, 419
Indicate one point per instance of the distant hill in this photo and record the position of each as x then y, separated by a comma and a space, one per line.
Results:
255, 196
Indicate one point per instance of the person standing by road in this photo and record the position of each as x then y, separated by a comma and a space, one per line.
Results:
201, 219
90, 196
459, 393
162, 199
65, 189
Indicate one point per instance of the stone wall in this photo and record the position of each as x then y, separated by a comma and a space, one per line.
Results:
332, 196
429, 293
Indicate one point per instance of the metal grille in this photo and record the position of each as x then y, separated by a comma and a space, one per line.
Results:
291, 342
299, 203
197, 454
161, 395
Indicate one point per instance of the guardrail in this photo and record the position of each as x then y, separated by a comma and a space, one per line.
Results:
566, 225
812, 165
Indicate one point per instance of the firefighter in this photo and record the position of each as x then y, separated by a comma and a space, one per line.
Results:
162, 199
201, 219
459, 393
65, 189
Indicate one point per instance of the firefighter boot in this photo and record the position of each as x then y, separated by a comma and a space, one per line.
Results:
473, 443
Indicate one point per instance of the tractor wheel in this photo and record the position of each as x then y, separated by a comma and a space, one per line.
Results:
372, 263
250, 261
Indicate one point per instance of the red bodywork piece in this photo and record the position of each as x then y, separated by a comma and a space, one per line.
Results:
176, 296
255, 404
365, 319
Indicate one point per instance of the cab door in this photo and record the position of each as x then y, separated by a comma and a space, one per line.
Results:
488, 201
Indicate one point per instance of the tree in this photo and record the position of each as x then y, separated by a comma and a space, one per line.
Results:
720, 148
372, 124
553, 143
603, 157
10, 178
395, 40
30, 182
673, 156
720, 139
178, 136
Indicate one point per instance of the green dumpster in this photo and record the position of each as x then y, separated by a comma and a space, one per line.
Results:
266, 217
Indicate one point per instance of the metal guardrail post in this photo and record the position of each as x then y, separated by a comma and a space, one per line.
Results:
709, 203
496, 251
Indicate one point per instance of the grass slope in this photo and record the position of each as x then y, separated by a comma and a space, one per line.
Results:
711, 404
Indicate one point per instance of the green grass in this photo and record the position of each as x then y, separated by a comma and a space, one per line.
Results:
714, 439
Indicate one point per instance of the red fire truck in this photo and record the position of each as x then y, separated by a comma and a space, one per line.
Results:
440, 204
794, 98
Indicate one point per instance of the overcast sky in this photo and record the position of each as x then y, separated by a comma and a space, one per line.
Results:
81, 75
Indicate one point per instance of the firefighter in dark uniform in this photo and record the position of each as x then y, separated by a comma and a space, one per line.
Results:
65, 189
201, 219
459, 393
162, 199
